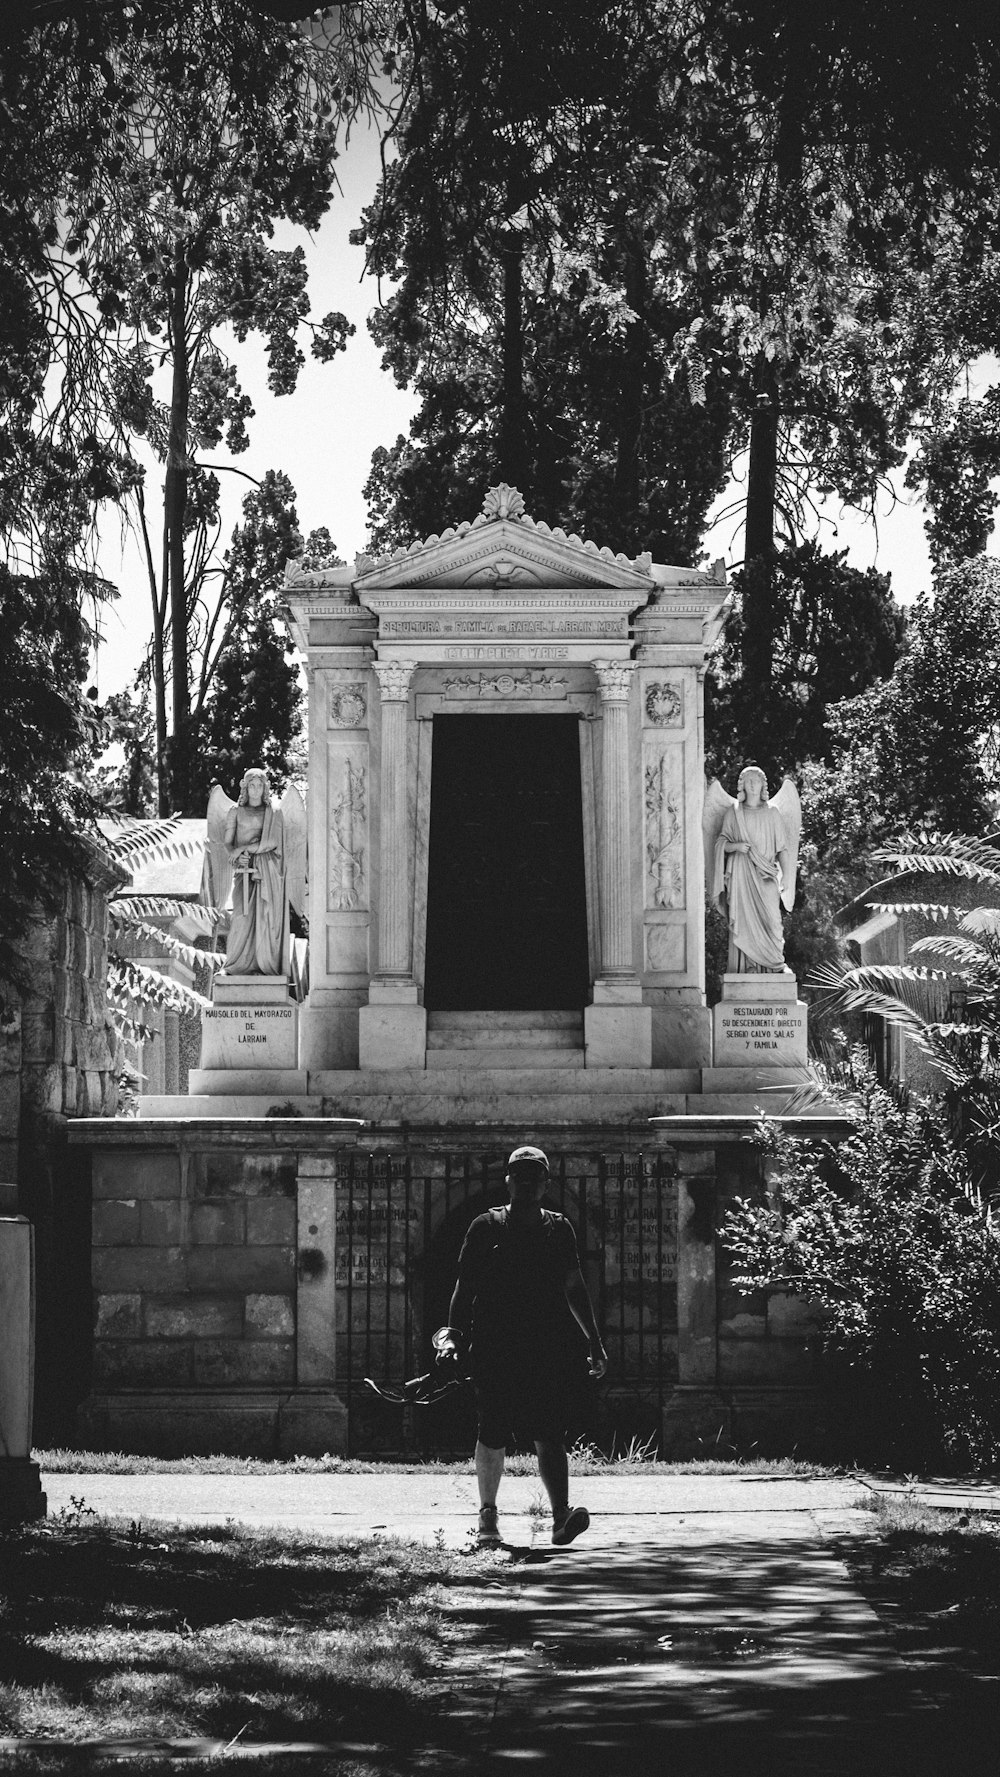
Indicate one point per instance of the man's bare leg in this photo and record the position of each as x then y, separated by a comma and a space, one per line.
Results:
489, 1469
553, 1472
553, 1469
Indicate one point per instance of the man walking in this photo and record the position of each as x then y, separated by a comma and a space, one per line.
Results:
517, 1273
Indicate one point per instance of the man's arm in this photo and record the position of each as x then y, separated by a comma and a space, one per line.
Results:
456, 1339
582, 1310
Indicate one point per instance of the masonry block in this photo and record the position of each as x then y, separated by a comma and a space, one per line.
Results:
194, 1317
136, 1363
221, 1363
127, 1268
116, 1222
270, 1221
268, 1269
118, 1317
160, 1222
136, 1175
218, 1224
244, 1175
269, 1317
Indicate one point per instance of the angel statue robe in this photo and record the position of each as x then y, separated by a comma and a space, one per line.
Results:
750, 883
256, 936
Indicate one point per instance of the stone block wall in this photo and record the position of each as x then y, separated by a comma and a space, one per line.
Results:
194, 1271
58, 1062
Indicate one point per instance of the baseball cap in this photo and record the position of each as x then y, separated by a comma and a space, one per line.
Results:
528, 1157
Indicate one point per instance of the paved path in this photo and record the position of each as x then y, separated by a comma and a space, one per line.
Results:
704, 1624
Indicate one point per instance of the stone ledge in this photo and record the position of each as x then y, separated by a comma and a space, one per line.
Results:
214, 1422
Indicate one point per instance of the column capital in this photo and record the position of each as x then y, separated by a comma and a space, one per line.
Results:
394, 679
615, 679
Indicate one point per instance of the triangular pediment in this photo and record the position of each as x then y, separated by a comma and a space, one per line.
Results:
503, 549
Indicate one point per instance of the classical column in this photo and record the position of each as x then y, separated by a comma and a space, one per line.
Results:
615, 678
394, 913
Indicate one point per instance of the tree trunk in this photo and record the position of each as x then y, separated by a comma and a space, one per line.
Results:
633, 382
174, 504
758, 568
513, 465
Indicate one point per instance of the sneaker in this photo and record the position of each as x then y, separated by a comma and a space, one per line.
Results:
569, 1524
489, 1530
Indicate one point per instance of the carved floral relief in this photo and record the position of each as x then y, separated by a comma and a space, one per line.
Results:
525, 684
664, 827
348, 887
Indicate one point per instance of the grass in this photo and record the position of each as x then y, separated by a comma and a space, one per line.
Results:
585, 1460
111, 1631
934, 1579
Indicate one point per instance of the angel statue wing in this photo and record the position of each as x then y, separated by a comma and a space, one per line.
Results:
296, 830
790, 809
717, 803
217, 871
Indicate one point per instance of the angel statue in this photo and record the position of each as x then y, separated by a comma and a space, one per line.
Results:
256, 854
751, 856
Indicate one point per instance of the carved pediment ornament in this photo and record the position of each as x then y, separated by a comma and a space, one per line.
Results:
504, 547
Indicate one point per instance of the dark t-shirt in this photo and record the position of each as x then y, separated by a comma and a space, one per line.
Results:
517, 1274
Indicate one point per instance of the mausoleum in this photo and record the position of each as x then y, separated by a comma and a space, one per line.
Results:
505, 892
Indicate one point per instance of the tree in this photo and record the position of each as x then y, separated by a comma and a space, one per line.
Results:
837, 632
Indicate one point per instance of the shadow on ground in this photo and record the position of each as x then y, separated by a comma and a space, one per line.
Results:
735, 1656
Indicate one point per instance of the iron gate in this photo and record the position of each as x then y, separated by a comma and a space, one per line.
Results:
400, 1223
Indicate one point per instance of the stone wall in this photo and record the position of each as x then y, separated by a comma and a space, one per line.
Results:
57, 1062
247, 1277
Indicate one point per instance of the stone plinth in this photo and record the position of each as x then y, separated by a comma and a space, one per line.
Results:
21, 1495
253, 1023
760, 1023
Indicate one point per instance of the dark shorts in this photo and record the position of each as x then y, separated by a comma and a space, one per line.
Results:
521, 1402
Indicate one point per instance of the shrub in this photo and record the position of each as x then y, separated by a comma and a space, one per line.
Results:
888, 1235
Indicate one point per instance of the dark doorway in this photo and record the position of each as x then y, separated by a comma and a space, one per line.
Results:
506, 898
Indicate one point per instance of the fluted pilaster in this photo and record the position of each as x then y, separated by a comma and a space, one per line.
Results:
615, 678
394, 920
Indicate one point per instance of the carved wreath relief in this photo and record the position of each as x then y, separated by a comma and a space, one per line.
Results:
664, 705
348, 818
664, 810
348, 706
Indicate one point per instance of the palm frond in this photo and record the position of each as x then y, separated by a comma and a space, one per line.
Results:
965, 953
130, 981
188, 953
947, 854
932, 910
127, 909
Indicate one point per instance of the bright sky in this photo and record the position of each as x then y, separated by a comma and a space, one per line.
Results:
323, 437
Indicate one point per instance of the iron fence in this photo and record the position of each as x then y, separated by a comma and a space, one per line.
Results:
400, 1224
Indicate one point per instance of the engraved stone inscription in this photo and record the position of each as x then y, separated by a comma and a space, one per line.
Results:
525, 652
249, 1036
768, 1033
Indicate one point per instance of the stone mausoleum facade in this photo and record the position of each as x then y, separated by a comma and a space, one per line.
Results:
506, 921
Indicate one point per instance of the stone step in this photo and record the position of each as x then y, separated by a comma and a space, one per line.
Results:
519, 1021
505, 1036
484, 1058
327, 1083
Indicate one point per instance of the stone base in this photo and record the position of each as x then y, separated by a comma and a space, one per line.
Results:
21, 1496
172, 1423
392, 1036
618, 1036
250, 990
757, 1420
760, 1023
275, 1084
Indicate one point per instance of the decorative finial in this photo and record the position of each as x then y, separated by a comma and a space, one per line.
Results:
503, 502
